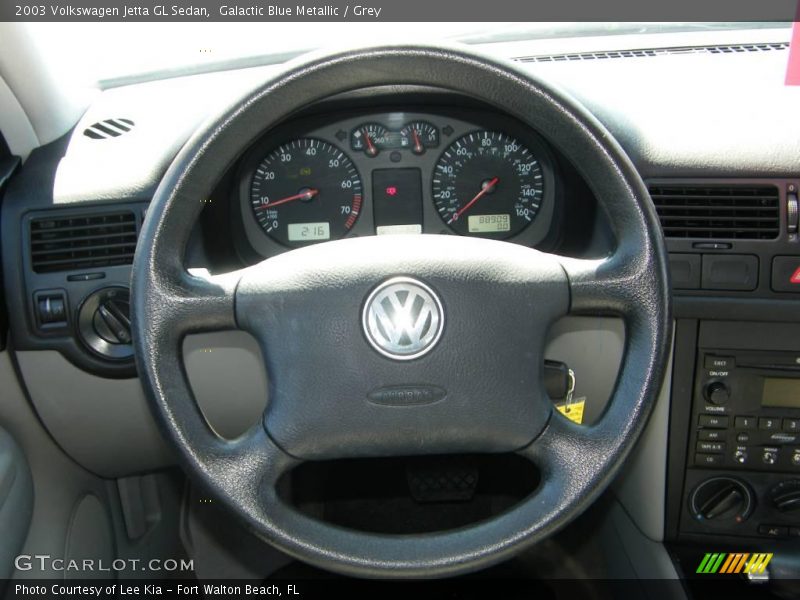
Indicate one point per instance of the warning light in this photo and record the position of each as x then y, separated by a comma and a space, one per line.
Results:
391, 191
795, 278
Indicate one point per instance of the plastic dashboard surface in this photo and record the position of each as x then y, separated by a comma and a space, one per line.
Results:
383, 165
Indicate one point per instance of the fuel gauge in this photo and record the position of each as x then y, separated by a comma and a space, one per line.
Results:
420, 135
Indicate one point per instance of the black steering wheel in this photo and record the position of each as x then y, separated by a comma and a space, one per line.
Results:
317, 314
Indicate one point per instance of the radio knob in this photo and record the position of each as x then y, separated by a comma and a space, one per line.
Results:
717, 393
722, 499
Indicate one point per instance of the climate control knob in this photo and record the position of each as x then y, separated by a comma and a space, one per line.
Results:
723, 500
786, 496
717, 393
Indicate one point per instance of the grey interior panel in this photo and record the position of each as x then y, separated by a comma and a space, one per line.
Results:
228, 379
632, 555
104, 424
641, 485
16, 502
58, 482
90, 537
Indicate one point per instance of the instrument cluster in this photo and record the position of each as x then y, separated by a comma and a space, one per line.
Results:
398, 172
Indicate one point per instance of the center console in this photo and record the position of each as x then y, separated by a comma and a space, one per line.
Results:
740, 475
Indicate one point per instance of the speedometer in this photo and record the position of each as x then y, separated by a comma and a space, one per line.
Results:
306, 191
488, 184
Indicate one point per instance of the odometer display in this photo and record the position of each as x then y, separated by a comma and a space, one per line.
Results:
489, 223
306, 191
488, 184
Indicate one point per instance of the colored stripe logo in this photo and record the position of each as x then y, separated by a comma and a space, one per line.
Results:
735, 562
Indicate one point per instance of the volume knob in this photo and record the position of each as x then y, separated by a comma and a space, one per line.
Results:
717, 393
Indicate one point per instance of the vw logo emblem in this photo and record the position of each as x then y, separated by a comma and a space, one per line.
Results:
403, 318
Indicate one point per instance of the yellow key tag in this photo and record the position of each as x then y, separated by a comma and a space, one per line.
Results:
573, 411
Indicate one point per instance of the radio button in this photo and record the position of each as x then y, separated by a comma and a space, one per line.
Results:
708, 460
743, 438
718, 362
744, 422
710, 447
796, 459
711, 435
792, 425
769, 457
713, 421
768, 423
740, 457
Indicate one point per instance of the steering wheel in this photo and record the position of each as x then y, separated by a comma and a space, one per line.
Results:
323, 318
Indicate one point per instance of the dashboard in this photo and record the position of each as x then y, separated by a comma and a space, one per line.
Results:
404, 171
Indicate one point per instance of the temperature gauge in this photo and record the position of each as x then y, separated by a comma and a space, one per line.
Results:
370, 138
420, 135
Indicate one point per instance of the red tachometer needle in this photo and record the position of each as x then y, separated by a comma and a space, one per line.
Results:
485, 188
307, 195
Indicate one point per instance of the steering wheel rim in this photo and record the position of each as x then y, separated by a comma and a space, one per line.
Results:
576, 463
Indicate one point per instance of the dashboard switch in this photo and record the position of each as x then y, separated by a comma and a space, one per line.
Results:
786, 274
685, 271
51, 309
792, 209
730, 272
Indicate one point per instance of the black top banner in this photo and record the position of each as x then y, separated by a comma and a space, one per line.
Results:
397, 11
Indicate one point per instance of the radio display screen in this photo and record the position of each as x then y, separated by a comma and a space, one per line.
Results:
781, 392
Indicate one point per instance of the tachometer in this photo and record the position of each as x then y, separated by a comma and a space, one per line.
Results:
306, 191
488, 184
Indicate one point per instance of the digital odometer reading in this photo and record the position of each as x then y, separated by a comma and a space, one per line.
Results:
309, 232
488, 174
489, 223
306, 191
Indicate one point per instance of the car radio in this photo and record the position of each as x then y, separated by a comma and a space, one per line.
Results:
747, 411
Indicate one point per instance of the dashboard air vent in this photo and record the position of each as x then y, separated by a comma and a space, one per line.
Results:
651, 52
64, 243
740, 212
110, 128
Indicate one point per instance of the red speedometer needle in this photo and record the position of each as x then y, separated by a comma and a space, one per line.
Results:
307, 195
485, 188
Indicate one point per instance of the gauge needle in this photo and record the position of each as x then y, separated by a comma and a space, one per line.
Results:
417, 143
371, 149
485, 188
307, 195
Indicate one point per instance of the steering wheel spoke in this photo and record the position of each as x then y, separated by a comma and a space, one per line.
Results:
614, 285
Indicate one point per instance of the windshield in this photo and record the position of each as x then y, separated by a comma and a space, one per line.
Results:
101, 52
